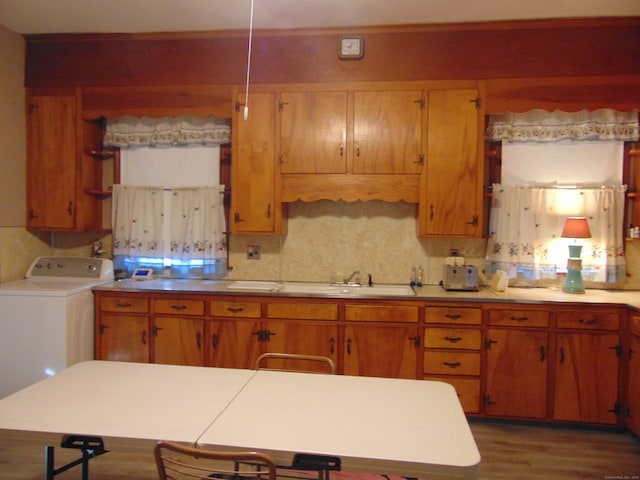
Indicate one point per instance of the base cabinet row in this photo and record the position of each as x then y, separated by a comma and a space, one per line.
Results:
548, 363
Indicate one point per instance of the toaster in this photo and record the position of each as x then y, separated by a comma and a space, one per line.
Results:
460, 277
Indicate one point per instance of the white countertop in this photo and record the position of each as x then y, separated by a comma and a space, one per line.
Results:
427, 292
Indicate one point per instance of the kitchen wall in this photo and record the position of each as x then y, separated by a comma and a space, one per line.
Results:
332, 239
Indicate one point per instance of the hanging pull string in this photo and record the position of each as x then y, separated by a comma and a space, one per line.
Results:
246, 94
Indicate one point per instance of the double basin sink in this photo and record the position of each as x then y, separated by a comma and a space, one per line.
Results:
379, 290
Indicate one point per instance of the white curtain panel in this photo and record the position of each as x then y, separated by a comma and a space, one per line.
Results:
526, 223
138, 221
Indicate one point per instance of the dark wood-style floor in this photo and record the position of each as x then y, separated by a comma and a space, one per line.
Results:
508, 452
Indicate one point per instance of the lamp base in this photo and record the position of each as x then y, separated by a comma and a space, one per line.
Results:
573, 282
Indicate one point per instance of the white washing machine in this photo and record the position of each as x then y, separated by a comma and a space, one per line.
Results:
46, 320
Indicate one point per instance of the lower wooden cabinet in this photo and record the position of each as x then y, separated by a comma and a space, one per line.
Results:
516, 370
517, 361
633, 377
123, 338
381, 350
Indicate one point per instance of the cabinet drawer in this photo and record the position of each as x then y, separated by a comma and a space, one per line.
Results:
377, 313
525, 318
635, 325
468, 391
307, 311
451, 363
460, 316
176, 306
589, 320
124, 304
452, 338
235, 309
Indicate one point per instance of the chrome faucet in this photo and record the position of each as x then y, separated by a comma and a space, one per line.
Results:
348, 280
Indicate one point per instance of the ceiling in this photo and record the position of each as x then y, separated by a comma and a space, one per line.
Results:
138, 16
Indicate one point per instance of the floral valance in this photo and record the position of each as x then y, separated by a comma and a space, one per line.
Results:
543, 126
131, 132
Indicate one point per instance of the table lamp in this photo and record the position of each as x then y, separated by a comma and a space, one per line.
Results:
575, 227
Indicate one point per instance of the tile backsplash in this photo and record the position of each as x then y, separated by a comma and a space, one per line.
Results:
328, 240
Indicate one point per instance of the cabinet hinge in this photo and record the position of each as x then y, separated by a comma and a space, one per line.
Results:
487, 400
421, 102
281, 105
618, 349
616, 408
239, 106
478, 102
420, 160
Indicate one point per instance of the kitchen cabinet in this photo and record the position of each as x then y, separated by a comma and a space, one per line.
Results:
313, 132
381, 350
516, 347
451, 198
178, 331
302, 328
387, 131
68, 174
255, 201
452, 350
633, 377
588, 352
232, 333
52, 159
122, 328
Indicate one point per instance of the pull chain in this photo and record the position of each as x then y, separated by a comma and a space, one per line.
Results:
246, 94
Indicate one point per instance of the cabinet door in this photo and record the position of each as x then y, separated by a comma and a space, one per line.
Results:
381, 351
387, 129
516, 373
178, 341
233, 343
124, 338
451, 198
586, 381
306, 338
51, 162
633, 411
313, 132
253, 200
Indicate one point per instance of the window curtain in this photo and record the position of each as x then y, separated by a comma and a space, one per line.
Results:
197, 223
131, 132
526, 223
193, 228
138, 221
542, 126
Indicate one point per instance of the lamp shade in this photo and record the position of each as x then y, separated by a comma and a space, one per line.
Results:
576, 227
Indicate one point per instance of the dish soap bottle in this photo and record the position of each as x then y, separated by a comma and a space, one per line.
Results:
419, 276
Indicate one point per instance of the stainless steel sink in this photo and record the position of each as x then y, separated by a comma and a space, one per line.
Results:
356, 291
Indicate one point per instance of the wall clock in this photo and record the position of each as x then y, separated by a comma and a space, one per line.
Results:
350, 48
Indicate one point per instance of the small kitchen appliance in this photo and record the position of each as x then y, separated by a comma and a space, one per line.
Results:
460, 277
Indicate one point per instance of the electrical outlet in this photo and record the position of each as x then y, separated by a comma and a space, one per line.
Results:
253, 252
454, 252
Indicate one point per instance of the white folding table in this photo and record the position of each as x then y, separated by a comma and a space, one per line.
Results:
410, 428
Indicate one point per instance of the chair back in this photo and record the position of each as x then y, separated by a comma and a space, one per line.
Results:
180, 462
294, 362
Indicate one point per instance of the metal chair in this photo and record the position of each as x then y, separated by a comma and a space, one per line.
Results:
296, 359
180, 462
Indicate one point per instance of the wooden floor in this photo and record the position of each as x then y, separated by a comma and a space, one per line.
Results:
508, 452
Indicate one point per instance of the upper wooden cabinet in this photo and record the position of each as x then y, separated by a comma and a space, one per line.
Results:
52, 160
387, 132
451, 188
313, 132
255, 204
68, 174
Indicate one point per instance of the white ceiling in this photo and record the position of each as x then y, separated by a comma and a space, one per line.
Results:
115, 16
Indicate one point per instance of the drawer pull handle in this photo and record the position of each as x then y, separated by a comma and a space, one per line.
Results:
588, 322
214, 341
518, 319
144, 337
123, 305
199, 340
235, 309
453, 316
178, 307
453, 339
452, 364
